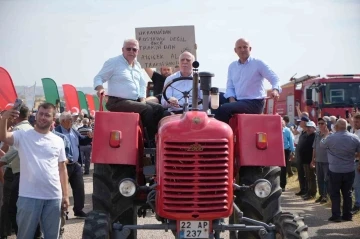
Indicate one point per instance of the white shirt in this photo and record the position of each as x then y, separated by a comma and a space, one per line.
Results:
355, 131
296, 137
124, 81
39, 157
174, 91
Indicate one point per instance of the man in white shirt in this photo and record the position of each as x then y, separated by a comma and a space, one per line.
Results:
127, 87
245, 87
174, 92
43, 188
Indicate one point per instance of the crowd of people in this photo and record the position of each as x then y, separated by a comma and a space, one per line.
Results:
53, 150
327, 160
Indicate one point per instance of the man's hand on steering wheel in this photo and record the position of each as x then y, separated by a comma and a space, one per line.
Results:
174, 102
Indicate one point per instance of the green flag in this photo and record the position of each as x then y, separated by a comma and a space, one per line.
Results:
97, 103
83, 102
50, 90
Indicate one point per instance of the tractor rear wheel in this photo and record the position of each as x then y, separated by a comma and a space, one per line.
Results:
107, 198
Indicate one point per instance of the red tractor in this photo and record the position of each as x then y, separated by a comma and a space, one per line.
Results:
201, 172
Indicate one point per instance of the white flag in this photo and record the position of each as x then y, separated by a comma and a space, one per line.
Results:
29, 93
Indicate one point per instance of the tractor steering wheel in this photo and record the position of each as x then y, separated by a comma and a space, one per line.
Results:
185, 93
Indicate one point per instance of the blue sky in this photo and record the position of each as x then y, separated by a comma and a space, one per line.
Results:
70, 40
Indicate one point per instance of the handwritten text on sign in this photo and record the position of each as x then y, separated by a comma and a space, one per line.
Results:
162, 46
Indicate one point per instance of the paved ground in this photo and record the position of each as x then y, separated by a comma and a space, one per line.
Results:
315, 217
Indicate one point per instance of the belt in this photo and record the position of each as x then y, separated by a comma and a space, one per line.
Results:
120, 98
71, 163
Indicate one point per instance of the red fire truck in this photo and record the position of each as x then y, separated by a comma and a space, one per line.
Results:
332, 94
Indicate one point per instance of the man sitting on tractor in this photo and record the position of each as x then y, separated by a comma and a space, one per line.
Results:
127, 87
245, 85
175, 91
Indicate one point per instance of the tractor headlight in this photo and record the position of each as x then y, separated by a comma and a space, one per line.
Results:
262, 188
127, 187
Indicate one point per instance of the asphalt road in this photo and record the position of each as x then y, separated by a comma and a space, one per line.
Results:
315, 217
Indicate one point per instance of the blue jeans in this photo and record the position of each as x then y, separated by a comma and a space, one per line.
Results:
322, 174
227, 110
31, 211
356, 185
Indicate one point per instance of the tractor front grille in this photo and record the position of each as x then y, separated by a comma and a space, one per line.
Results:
196, 177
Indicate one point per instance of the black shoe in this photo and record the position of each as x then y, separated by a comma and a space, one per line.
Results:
309, 197
81, 214
305, 195
323, 200
319, 199
86, 173
283, 189
355, 210
300, 193
334, 219
347, 218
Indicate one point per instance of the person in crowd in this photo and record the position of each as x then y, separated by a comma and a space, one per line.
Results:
306, 155
341, 147
11, 158
158, 80
355, 129
174, 92
288, 150
73, 167
320, 161
291, 126
127, 87
42, 154
245, 84
301, 173
85, 150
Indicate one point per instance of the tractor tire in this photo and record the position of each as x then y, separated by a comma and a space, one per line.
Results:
290, 226
97, 226
261, 209
107, 198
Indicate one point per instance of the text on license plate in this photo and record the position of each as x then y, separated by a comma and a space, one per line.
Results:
194, 229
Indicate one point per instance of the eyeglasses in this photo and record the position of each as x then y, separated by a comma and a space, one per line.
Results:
131, 49
321, 123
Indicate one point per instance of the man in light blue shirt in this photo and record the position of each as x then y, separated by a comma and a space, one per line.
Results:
288, 149
245, 87
127, 87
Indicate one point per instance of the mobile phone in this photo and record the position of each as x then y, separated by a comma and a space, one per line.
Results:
347, 114
17, 105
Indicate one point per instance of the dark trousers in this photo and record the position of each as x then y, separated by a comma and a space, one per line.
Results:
77, 185
227, 110
301, 173
13, 208
284, 169
150, 113
322, 175
85, 152
5, 223
341, 182
310, 179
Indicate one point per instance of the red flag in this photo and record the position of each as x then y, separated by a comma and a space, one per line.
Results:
71, 98
91, 104
7, 90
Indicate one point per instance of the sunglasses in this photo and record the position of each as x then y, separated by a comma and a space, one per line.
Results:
131, 49
321, 123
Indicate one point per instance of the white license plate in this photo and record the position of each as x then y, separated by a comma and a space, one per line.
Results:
194, 229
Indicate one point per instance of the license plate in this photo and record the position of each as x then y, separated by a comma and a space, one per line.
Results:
194, 229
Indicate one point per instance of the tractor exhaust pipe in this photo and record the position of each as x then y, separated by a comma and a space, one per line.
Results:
195, 88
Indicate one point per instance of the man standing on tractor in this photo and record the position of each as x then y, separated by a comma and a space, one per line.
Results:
127, 87
175, 92
245, 85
